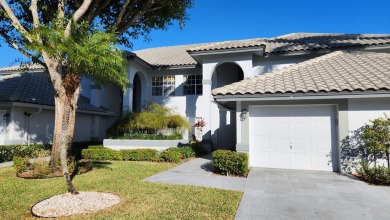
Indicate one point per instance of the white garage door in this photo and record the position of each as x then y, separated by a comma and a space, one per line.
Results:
293, 137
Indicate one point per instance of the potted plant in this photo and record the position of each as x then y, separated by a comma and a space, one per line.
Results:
200, 123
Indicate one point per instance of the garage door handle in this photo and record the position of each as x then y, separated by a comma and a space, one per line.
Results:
291, 147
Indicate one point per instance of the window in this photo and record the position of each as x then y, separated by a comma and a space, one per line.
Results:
163, 85
193, 85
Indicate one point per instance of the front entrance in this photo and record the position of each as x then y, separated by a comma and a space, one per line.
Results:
293, 137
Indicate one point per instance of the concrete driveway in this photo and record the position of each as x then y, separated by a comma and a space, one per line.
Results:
296, 194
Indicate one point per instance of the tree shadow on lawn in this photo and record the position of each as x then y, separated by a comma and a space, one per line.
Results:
95, 165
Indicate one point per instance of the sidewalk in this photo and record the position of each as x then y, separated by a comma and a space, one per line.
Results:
198, 172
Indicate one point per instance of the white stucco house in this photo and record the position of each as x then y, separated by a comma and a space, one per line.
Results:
294, 101
27, 108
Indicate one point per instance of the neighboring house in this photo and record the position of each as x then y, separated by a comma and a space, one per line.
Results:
292, 101
27, 109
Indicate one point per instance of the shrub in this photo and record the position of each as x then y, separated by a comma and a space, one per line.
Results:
20, 163
230, 162
152, 119
7, 152
170, 156
186, 152
96, 147
101, 154
198, 148
139, 154
379, 175
41, 165
144, 136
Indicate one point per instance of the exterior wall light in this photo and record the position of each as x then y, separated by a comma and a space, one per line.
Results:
244, 114
5, 116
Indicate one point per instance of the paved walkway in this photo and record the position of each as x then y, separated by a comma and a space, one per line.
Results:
289, 194
198, 172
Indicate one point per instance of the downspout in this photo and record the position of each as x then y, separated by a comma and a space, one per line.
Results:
27, 123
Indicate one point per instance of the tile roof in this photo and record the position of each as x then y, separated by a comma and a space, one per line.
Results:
25, 67
335, 72
179, 55
229, 45
17, 88
312, 41
168, 56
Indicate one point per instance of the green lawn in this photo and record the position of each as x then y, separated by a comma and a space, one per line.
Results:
140, 199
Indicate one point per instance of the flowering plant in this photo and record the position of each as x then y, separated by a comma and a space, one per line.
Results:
199, 124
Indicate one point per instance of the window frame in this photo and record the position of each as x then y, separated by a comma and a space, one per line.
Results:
196, 84
163, 85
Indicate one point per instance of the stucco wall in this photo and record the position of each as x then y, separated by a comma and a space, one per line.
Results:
39, 128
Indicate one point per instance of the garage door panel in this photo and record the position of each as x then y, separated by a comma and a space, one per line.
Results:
301, 145
307, 129
261, 144
261, 128
300, 128
281, 145
280, 129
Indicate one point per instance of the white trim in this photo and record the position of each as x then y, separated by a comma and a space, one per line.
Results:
48, 107
387, 95
258, 49
238, 122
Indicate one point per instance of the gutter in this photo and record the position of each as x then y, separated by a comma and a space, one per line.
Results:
230, 98
48, 107
259, 49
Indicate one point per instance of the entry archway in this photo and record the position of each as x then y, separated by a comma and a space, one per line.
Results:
224, 126
137, 93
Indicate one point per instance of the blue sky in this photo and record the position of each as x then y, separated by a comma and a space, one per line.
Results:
220, 20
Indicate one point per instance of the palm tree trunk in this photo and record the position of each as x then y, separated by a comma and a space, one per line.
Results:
65, 118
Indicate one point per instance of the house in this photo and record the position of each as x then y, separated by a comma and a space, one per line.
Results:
294, 101
27, 108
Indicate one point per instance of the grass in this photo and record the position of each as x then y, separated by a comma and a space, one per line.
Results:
140, 199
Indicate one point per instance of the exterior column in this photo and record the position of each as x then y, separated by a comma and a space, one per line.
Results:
208, 131
128, 98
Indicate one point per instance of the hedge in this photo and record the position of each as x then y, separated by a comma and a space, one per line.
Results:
173, 154
7, 152
139, 155
186, 152
101, 154
230, 162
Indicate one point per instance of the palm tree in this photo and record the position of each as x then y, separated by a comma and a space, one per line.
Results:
87, 53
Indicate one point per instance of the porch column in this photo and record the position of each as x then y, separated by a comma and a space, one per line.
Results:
208, 135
